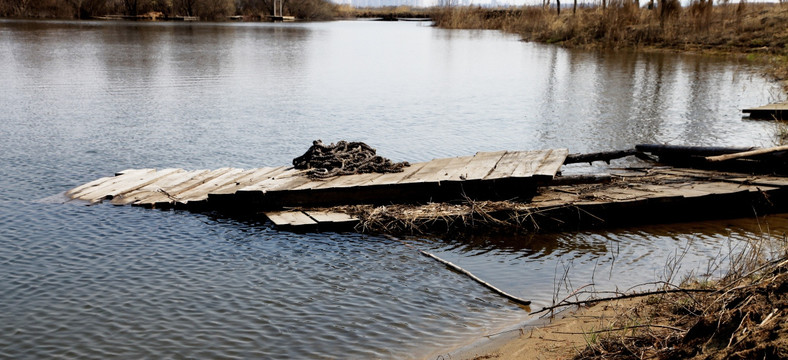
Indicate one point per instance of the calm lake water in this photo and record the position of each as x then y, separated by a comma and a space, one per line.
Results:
81, 100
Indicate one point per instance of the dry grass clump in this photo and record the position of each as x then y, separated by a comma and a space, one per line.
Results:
728, 28
743, 317
429, 218
624, 24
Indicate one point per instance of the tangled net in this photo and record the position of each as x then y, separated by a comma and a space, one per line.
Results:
344, 158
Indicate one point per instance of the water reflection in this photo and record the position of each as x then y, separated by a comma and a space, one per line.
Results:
82, 100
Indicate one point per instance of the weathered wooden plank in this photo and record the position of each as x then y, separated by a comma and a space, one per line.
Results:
427, 171
481, 165
136, 194
331, 217
393, 178
347, 181
287, 183
111, 181
130, 184
200, 192
171, 195
530, 163
157, 188
451, 171
550, 165
273, 181
625, 194
720, 188
671, 190
760, 180
506, 166
249, 178
290, 218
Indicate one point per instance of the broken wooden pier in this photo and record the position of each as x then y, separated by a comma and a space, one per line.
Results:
513, 190
485, 175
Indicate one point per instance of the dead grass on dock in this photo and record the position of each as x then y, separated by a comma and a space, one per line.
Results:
482, 217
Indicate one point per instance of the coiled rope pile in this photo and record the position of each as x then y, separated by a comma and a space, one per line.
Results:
344, 158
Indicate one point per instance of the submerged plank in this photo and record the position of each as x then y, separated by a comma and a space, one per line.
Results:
136, 194
161, 186
95, 186
290, 218
330, 217
171, 195
129, 184
94, 183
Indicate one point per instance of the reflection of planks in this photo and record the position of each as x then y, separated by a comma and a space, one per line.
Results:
484, 175
777, 111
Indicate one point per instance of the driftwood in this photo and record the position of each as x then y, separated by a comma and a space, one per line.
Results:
605, 156
688, 151
480, 281
746, 154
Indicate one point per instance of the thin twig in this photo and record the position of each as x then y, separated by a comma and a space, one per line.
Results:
625, 296
621, 328
480, 281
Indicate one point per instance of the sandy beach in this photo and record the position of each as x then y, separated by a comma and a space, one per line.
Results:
561, 337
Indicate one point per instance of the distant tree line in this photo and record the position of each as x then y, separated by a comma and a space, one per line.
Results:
204, 9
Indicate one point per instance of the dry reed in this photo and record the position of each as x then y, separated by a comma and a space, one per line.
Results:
752, 29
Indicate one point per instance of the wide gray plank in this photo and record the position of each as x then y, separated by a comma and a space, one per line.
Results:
481, 165
552, 163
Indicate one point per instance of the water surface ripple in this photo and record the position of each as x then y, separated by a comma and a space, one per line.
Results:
81, 100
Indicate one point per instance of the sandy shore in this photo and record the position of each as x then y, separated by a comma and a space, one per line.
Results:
560, 337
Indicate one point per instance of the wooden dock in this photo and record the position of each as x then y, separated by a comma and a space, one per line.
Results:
517, 190
486, 175
776, 111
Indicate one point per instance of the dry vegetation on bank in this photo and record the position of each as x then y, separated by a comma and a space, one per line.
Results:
756, 30
743, 316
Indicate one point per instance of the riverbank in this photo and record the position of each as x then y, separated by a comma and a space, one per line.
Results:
751, 31
740, 316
